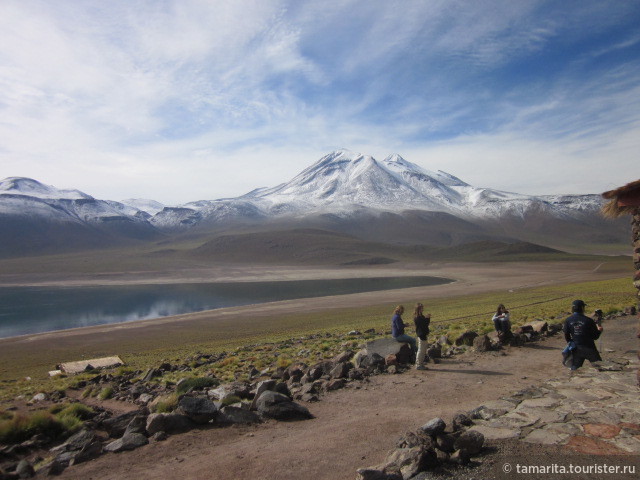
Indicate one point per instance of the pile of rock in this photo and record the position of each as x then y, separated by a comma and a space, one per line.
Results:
431, 448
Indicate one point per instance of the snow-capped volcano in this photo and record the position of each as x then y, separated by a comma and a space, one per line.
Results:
343, 191
343, 181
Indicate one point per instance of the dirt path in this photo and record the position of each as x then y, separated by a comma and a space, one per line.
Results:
353, 428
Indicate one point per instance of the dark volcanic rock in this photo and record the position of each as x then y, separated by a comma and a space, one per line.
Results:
280, 407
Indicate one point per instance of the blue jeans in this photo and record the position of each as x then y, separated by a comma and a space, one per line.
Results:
404, 338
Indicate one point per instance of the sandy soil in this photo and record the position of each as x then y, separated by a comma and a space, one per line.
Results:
355, 427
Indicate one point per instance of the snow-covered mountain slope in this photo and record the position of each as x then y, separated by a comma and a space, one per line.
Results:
392, 200
343, 181
36, 218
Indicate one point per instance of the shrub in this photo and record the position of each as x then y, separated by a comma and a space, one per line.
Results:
22, 427
105, 393
77, 409
230, 400
196, 383
165, 404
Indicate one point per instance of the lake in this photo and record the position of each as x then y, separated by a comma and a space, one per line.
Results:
28, 310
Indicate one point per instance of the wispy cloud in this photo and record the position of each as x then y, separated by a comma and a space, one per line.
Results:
173, 99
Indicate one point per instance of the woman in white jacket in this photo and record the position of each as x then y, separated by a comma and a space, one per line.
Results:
502, 323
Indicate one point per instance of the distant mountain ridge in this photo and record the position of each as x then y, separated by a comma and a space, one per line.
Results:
392, 200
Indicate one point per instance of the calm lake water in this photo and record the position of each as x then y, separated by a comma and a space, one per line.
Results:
26, 310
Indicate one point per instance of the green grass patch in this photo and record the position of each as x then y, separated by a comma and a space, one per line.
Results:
105, 393
196, 383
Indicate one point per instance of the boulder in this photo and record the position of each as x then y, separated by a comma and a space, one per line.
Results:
369, 361
343, 357
234, 389
130, 441
482, 343
470, 442
116, 426
341, 370
446, 442
466, 338
461, 421
443, 340
25, 469
335, 384
415, 439
199, 409
538, 326
168, 423
232, 415
410, 461
434, 427
383, 348
280, 407
76, 442
138, 424
263, 386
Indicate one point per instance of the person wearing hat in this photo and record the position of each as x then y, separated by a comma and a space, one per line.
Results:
583, 332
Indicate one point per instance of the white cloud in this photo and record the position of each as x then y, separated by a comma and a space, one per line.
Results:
176, 97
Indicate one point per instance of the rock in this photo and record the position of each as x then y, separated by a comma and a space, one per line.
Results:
382, 348
116, 426
234, 389
88, 452
538, 326
434, 427
445, 442
168, 423
232, 415
138, 424
343, 357
263, 386
199, 409
461, 421
415, 439
482, 343
39, 397
602, 430
280, 407
151, 374
76, 442
357, 374
470, 441
372, 474
158, 437
443, 340
341, 370
434, 351
130, 441
411, 461
466, 338
335, 384
145, 398
461, 457
25, 469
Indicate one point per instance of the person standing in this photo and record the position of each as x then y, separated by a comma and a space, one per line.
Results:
397, 330
422, 331
583, 331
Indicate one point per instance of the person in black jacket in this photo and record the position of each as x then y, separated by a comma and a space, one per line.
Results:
422, 330
583, 331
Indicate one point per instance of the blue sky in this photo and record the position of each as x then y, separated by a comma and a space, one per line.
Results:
193, 99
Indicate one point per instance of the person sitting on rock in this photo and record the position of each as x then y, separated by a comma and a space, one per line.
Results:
583, 331
397, 330
422, 331
501, 323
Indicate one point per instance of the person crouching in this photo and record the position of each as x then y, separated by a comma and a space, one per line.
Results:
583, 331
